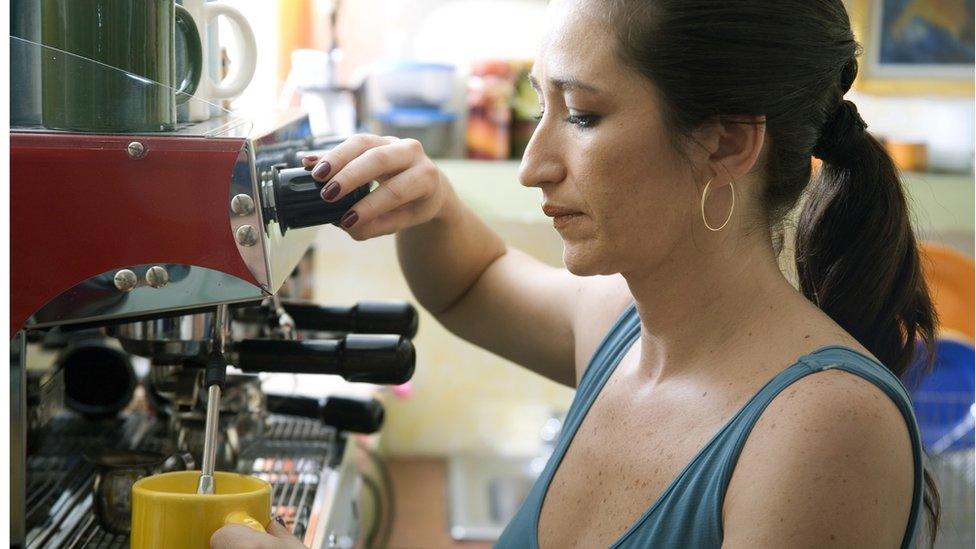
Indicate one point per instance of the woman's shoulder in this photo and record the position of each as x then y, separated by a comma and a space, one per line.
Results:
830, 460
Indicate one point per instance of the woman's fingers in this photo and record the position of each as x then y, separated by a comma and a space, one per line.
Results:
335, 159
373, 163
309, 161
387, 223
409, 192
278, 530
235, 536
415, 184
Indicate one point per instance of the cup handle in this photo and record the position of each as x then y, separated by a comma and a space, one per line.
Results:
194, 55
244, 519
246, 43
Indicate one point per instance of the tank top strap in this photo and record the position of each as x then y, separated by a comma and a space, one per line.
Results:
522, 529
826, 358
622, 334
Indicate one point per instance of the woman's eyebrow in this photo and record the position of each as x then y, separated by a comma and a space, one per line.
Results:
565, 84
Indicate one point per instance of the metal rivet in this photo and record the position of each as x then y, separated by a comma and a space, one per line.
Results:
126, 280
242, 205
157, 277
136, 149
246, 235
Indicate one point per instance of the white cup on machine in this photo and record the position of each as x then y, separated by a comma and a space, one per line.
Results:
211, 88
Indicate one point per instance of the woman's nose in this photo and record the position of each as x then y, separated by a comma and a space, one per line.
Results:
541, 162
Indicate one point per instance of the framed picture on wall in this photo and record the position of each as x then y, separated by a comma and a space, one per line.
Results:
914, 47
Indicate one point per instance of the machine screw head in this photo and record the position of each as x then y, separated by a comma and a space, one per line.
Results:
126, 280
157, 277
242, 205
246, 235
136, 149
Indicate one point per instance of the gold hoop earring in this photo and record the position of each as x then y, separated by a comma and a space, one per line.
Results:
732, 209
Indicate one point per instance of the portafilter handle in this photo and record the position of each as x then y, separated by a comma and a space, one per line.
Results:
297, 202
366, 317
380, 359
357, 415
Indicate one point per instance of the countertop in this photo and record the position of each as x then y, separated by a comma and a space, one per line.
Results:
420, 487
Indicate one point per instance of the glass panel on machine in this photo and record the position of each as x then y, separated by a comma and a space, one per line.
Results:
56, 90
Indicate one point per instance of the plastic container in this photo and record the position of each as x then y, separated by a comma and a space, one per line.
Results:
525, 109
490, 90
907, 156
415, 84
432, 127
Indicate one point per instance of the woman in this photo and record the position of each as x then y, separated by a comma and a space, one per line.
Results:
717, 404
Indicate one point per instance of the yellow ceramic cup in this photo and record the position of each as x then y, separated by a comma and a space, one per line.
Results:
168, 513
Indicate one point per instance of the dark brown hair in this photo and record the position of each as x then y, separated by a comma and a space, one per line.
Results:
792, 61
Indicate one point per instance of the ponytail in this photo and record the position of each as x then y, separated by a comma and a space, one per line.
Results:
856, 253
857, 257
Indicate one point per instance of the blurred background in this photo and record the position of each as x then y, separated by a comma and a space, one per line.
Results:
451, 73
466, 436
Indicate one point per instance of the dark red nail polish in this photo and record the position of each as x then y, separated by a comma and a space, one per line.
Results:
322, 170
349, 219
331, 191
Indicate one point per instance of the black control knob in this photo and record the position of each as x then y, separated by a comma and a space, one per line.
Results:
381, 359
345, 414
298, 203
367, 317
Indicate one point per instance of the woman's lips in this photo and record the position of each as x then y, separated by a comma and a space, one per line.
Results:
561, 217
554, 211
562, 221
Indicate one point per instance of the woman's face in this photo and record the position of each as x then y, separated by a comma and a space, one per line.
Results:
601, 151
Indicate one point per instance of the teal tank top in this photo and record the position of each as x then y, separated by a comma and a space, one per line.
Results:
689, 511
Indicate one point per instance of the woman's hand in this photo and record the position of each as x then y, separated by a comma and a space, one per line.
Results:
235, 536
411, 191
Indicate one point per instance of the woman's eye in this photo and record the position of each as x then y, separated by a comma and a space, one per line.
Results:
578, 120
583, 120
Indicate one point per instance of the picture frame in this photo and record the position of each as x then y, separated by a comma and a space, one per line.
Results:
914, 47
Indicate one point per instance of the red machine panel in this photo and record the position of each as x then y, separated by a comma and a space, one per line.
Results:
82, 205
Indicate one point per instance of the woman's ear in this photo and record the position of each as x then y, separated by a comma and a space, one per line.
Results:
736, 145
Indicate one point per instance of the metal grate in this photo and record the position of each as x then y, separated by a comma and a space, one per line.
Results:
292, 456
59, 480
89, 534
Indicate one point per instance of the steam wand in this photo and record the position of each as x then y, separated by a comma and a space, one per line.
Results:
214, 377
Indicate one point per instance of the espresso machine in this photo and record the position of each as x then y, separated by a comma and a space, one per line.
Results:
175, 250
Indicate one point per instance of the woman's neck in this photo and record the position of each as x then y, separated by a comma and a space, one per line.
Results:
693, 312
